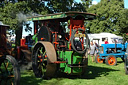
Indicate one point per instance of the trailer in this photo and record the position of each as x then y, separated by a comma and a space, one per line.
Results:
9, 70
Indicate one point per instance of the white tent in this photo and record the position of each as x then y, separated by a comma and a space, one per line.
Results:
99, 38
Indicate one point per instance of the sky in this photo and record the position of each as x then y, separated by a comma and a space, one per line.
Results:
93, 2
96, 1
125, 3
24, 33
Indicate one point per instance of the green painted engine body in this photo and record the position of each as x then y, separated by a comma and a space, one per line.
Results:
72, 59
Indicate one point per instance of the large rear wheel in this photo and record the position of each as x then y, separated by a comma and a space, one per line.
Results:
9, 71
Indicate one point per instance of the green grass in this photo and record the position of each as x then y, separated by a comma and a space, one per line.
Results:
96, 74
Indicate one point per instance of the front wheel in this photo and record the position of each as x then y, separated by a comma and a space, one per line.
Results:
9, 71
98, 60
43, 58
111, 60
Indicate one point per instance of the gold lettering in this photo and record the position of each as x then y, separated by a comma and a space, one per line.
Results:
80, 35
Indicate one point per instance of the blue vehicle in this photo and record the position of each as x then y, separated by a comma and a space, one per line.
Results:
109, 52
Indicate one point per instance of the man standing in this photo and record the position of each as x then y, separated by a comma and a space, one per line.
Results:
92, 50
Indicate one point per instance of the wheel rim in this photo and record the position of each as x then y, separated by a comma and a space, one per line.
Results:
41, 61
111, 61
99, 60
7, 76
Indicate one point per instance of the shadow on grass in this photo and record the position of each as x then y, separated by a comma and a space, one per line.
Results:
94, 71
28, 78
91, 73
120, 62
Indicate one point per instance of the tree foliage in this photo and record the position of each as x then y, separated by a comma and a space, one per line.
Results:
111, 17
14, 13
59, 5
87, 3
67, 5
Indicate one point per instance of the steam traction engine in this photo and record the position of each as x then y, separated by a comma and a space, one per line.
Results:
58, 48
9, 71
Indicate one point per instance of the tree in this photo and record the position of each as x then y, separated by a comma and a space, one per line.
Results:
59, 5
13, 14
86, 3
123, 22
78, 7
111, 17
67, 5
9, 15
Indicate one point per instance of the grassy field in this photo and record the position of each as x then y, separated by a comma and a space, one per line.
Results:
96, 74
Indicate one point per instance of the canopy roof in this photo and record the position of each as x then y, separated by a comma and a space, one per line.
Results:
103, 35
65, 15
1, 24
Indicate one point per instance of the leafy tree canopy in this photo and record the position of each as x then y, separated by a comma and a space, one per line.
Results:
111, 17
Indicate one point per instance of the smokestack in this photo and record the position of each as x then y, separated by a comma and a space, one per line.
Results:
21, 18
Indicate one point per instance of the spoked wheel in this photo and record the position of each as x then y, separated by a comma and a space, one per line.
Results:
9, 71
41, 61
42, 67
111, 60
78, 41
98, 60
